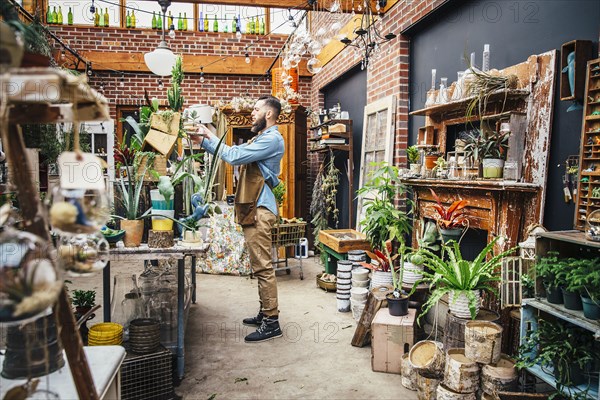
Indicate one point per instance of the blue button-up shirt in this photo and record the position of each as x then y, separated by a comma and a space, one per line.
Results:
266, 149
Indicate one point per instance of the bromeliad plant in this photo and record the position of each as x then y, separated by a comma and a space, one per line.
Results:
452, 273
450, 217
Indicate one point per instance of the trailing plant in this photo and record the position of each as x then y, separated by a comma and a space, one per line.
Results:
323, 205
451, 273
382, 219
413, 155
83, 298
556, 347
452, 216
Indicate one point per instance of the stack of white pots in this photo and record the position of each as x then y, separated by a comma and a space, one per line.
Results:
344, 283
357, 256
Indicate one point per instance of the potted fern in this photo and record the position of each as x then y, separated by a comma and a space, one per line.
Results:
461, 279
548, 268
584, 277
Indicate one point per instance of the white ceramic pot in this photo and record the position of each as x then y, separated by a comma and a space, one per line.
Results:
344, 275
356, 283
343, 287
359, 293
459, 303
412, 273
344, 281
380, 278
357, 255
343, 305
360, 274
344, 266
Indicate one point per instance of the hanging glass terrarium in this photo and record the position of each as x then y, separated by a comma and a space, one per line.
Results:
29, 283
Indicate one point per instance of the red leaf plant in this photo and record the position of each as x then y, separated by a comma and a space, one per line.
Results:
450, 217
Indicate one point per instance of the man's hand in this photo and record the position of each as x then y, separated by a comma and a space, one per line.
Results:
202, 133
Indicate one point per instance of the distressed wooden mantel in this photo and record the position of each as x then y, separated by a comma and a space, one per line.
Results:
502, 208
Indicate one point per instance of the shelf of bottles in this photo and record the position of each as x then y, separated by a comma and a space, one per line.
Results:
253, 25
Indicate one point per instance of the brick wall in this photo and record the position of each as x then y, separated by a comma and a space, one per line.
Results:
215, 86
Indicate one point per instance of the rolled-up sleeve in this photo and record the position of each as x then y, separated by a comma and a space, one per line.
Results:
261, 148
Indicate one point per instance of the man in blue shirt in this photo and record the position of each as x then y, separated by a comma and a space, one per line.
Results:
255, 206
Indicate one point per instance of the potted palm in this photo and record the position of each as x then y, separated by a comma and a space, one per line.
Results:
414, 158
451, 220
461, 279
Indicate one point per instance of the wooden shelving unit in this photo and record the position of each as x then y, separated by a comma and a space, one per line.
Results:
567, 244
589, 165
315, 147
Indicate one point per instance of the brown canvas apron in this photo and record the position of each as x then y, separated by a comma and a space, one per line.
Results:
250, 185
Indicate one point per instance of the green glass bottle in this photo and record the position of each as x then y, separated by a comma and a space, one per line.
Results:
70, 17
59, 16
106, 22
159, 22
252, 25
179, 23
206, 24
54, 16
262, 27
96, 18
256, 25
127, 20
216, 24
49, 15
153, 20
234, 24
226, 25
185, 24
132, 22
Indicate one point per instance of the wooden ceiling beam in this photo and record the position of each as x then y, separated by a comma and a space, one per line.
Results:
230, 65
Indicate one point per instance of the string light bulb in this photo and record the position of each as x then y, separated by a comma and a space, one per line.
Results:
62, 54
172, 32
92, 8
201, 75
238, 33
89, 71
247, 58
122, 81
160, 83
291, 19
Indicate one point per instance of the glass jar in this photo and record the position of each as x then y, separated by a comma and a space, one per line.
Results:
82, 254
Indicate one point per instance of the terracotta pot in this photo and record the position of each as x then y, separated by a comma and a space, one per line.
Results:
134, 230
430, 161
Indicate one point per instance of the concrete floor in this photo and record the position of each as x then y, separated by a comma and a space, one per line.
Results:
313, 360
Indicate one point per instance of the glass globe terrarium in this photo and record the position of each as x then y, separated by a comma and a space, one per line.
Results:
592, 226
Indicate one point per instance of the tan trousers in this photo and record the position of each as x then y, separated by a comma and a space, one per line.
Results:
258, 240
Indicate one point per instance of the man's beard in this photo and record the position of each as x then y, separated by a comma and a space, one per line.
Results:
259, 125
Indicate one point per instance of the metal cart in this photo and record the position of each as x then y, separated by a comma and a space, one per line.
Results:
287, 235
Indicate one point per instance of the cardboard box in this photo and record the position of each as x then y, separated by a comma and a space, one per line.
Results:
159, 141
391, 337
158, 123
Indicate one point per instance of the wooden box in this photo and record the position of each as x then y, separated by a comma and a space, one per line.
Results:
172, 127
391, 337
582, 50
159, 141
342, 240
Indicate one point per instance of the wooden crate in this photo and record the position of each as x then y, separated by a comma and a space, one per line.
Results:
391, 337
342, 240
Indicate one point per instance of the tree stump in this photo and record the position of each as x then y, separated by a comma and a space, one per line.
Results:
427, 358
427, 387
409, 375
444, 393
160, 239
483, 341
501, 376
461, 374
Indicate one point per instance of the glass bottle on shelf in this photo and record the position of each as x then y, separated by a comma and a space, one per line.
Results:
225, 25
127, 20
96, 18
262, 27
159, 21
106, 22
49, 15
54, 16
153, 20
234, 24
59, 17
179, 23
70, 17
215, 24
206, 23
170, 21
185, 22
200, 23
133, 20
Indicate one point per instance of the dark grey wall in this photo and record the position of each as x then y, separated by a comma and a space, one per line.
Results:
351, 92
515, 30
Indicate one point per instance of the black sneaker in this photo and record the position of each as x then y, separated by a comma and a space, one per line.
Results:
268, 330
254, 321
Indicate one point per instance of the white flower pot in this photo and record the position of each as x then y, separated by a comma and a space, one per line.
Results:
459, 303
493, 167
412, 273
380, 278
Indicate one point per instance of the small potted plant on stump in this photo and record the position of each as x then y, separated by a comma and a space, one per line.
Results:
414, 157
